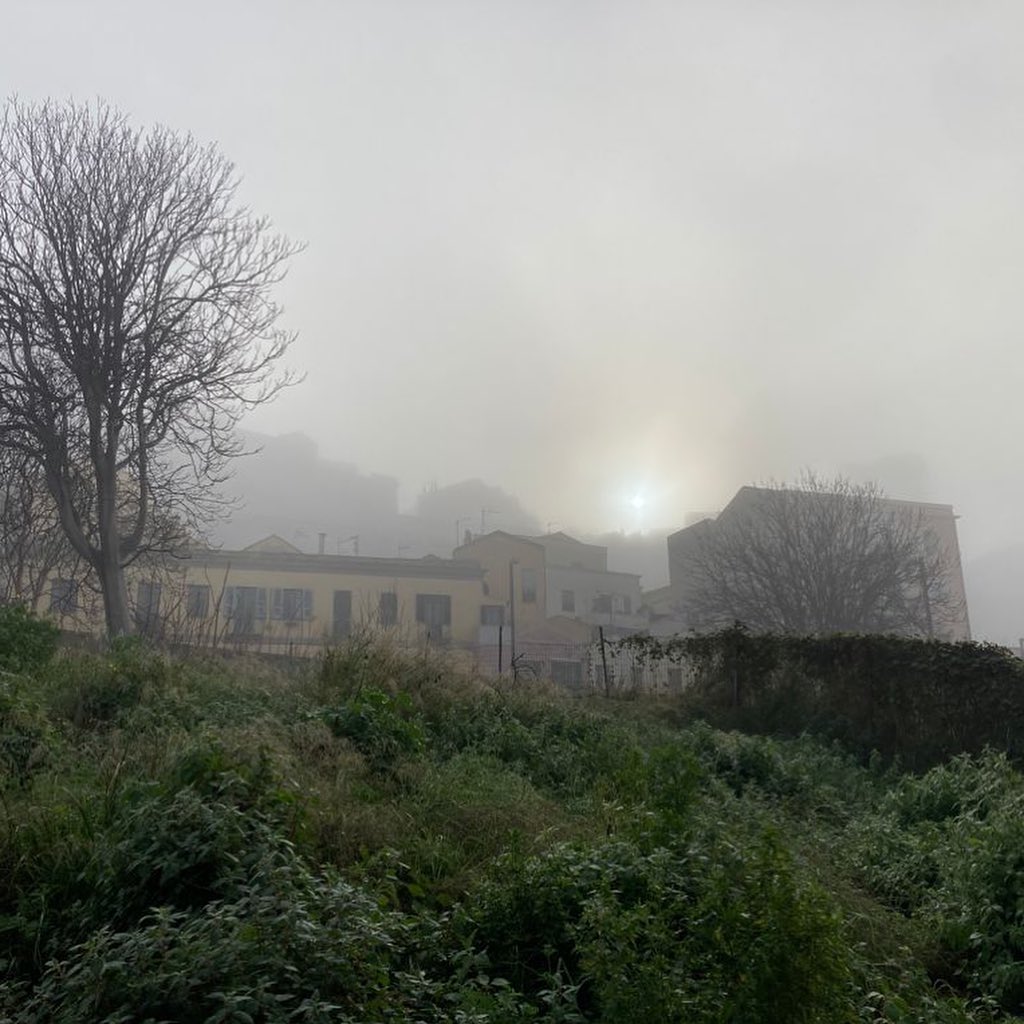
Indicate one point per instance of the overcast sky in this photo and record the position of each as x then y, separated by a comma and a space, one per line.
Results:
598, 252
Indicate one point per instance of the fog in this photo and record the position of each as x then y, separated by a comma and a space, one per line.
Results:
616, 259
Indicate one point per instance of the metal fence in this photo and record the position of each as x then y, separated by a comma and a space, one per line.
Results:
595, 667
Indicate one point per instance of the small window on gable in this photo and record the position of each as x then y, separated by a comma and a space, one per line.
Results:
528, 581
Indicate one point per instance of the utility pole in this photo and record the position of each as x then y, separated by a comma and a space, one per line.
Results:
512, 612
484, 512
926, 599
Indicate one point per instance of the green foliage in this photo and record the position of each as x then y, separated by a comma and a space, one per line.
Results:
948, 849
381, 838
381, 727
25, 734
709, 931
919, 700
286, 947
558, 749
27, 642
95, 691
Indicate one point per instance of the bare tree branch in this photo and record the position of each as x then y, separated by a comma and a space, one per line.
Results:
136, 327
818, 556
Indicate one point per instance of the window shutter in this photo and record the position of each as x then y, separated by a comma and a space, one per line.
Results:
277, 603
307, 605
261, 603
229, 601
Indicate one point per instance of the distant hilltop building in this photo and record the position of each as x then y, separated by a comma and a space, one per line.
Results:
735, 566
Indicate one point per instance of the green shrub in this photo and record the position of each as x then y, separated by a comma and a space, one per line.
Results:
25, 734
709, 932
286, 947
27, 642
380, 726
558, 747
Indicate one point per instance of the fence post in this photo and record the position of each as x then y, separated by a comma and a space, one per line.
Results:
604, 662
501, 630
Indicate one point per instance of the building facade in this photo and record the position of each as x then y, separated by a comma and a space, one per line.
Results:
271, 596
944, 617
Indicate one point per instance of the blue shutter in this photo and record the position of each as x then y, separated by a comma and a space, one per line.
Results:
277, 603
307, 605
261, 604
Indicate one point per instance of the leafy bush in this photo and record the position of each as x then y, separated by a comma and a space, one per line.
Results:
559, 748
213, 847
710, 931
948, 848
286, 947
92, 690
25, 734
920, 700
27, 642
381, 727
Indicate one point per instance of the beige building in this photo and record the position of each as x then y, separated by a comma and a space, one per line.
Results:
944, 616
579, 585
515, 591
272, 596
532, 581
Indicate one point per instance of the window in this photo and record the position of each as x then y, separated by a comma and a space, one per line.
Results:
63, 596
569, 601
197, 601
387, 608
341, 614
602, 603
246, 609
528, 580
147, 606
492, 615
434, 610
292, 604
623, 603
567, 673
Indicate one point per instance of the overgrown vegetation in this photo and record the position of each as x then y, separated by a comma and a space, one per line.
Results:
922, 701
380, 837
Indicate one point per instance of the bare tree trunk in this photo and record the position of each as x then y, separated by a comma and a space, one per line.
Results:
111, 571
115, 596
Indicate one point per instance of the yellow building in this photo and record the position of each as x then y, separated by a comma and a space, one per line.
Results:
271, 596
515, 589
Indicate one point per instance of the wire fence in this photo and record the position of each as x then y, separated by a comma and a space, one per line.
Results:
595, 667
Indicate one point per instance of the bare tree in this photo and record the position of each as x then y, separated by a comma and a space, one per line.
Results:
136, 327
818, 556
32, 544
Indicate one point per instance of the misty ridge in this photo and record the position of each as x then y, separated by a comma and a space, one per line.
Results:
287, 488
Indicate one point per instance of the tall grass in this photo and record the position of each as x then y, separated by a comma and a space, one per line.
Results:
378, 836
